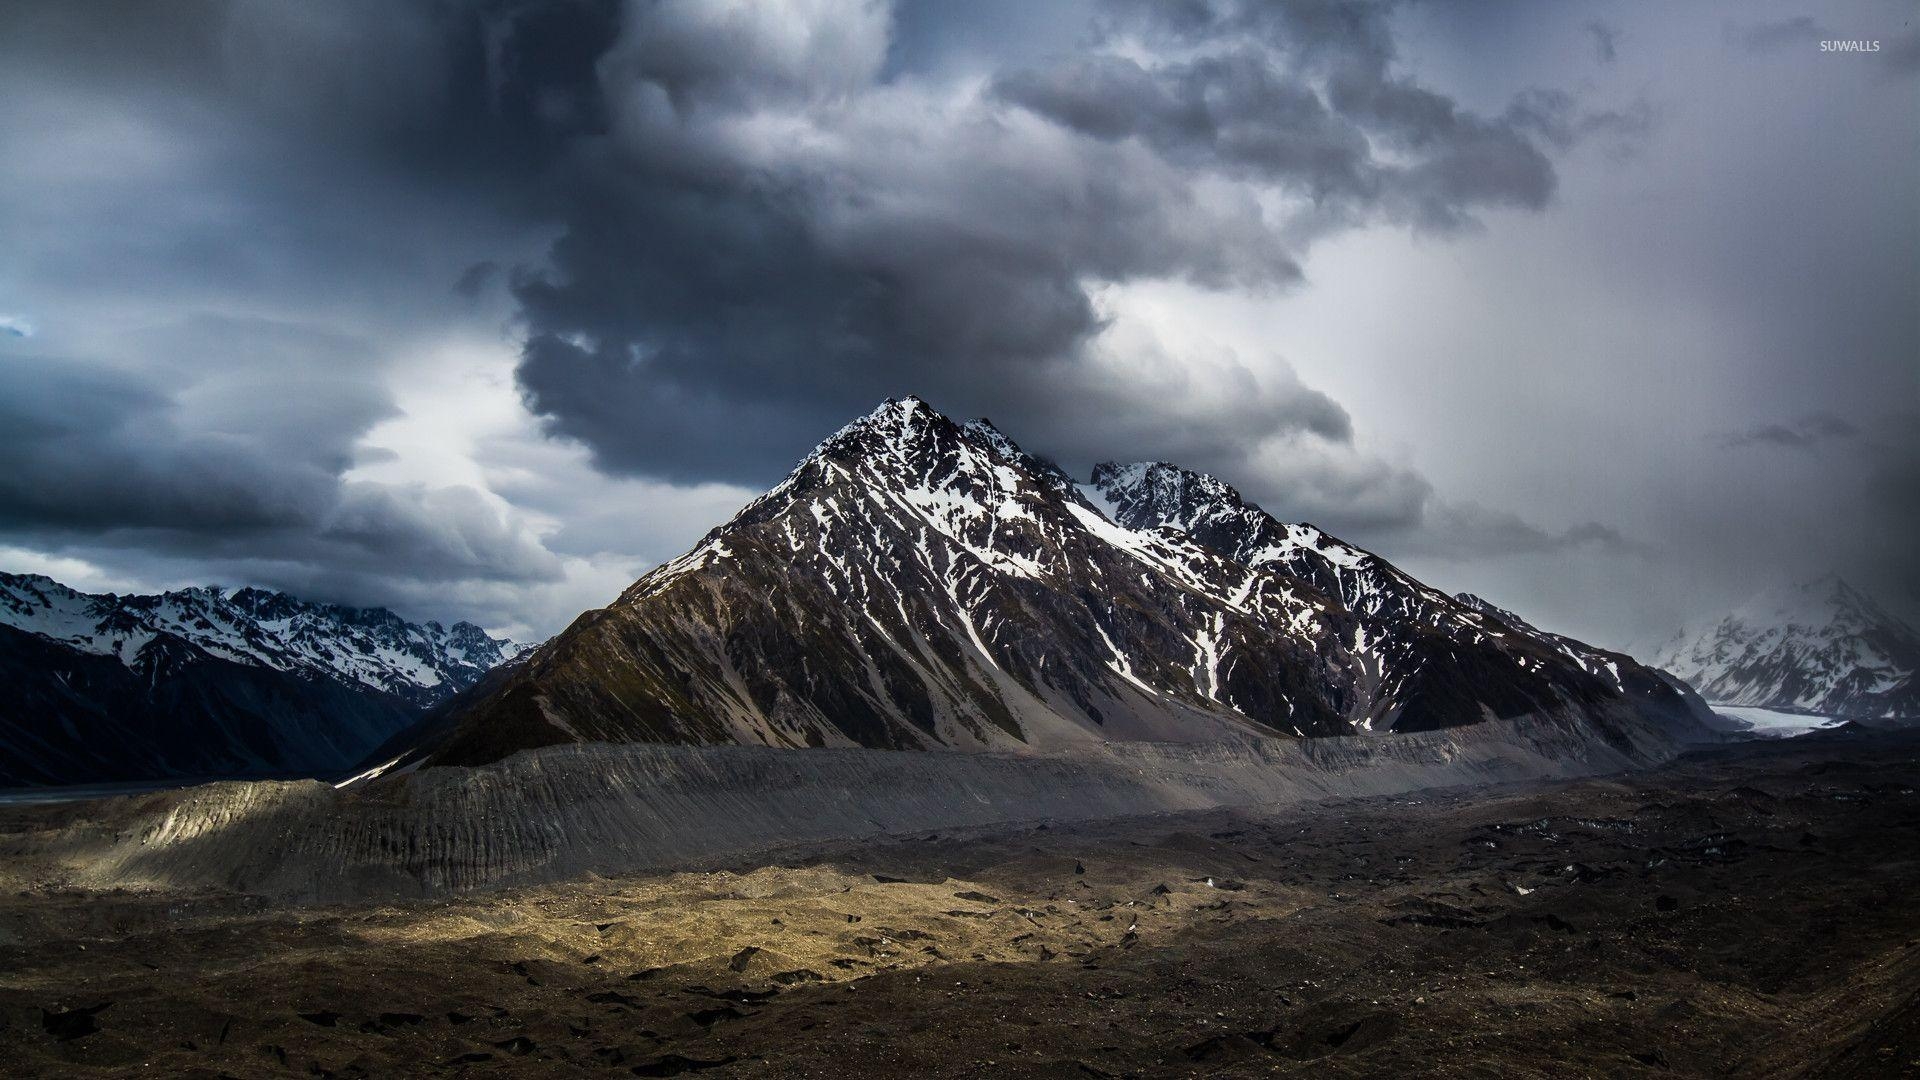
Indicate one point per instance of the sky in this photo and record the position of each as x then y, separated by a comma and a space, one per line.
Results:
1606, 312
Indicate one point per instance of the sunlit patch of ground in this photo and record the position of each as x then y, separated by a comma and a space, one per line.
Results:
1749, 912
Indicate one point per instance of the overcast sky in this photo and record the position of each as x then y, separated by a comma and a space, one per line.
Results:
476, 310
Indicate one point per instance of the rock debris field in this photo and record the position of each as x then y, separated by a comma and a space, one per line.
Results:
1743, 911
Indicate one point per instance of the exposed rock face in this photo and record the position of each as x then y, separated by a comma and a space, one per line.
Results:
1822, 647
919, 584
212, 682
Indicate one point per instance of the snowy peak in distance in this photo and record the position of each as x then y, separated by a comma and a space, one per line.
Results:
1827, 604
422, 663
1822, 646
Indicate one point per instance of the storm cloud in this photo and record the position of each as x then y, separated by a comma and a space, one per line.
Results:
772, 234
245, 463
480, 307
1897, 54
1606, 41
1806, 432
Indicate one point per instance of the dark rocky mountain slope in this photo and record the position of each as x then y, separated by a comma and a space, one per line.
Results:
917, 583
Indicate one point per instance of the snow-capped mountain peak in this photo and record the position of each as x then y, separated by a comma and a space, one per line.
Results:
370, 647
1826, 604
916, 582
1821, 646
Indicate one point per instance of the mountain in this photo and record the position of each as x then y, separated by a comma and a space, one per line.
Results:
212, 682
1822, 647
1435, 655
917, 583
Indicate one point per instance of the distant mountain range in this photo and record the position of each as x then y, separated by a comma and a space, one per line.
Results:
212, 682
918, 583
1820, 647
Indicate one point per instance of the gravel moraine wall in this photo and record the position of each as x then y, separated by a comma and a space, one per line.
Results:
565, 811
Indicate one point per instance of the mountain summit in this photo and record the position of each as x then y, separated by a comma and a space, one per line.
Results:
917, 583
1820, 646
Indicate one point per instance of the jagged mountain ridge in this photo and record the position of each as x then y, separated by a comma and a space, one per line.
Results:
1414, 635
921, 584
212, 682
423, 663
1822, 646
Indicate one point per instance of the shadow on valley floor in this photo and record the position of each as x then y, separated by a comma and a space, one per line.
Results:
1749, 911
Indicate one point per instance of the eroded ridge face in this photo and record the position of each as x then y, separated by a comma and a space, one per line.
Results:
918, 583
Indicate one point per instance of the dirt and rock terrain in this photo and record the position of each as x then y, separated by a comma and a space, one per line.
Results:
1745, 911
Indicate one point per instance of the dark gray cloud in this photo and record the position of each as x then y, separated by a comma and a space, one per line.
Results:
1901, 53
1804, 433
1371, 147
475, 279
779, 229
1780, 33
461, 95
259, 253
1468, 531
1896, 51
1892, 495
227, 223
237, 465
1606, 41
1557, 120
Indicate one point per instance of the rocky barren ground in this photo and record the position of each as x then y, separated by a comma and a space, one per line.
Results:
1745, 911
